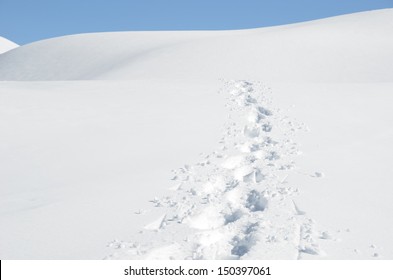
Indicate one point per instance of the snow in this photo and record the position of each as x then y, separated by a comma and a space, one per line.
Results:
79, 159
6, 45
339, 49
271, 143
349, 140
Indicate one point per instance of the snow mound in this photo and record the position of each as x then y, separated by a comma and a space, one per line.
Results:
6, 45
349, 48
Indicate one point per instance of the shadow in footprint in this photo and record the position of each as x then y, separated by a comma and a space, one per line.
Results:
256, 201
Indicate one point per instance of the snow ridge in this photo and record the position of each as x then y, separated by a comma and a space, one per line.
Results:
6, 45
236, 203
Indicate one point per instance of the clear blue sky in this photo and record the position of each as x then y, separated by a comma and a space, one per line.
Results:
25, 21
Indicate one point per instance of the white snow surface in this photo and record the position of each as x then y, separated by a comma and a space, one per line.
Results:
271, 143
6, 45
350, 48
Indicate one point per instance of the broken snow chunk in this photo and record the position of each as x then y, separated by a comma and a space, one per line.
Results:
326, 235
251, 132
319, 174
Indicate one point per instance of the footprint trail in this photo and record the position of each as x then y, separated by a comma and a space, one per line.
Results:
236, 202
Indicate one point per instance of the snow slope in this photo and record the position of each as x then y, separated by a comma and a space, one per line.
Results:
350, 48
200, 145
6, 45
276, 188
79, 158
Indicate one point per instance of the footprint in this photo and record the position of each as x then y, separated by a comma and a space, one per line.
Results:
267, 127
233, 203
256, 201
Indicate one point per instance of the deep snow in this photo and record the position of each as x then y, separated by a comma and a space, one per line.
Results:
200, 145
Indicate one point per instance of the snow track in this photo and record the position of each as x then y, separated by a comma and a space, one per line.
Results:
236, 203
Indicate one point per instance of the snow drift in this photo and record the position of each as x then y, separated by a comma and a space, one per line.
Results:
350, 48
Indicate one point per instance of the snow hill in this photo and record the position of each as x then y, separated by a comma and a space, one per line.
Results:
6, 45
270, 143
339, 49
